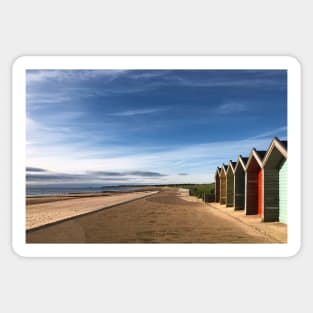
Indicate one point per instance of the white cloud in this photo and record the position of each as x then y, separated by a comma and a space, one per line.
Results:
231, 107
138, 112
272, 132
35, 76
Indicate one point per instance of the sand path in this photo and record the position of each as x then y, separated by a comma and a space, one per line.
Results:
166, 217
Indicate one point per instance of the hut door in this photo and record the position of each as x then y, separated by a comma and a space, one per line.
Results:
260, 193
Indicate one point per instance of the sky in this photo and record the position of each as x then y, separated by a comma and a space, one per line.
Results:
121, 127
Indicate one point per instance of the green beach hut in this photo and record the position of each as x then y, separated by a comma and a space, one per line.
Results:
230, 184
239, 183
223, 184
275, 168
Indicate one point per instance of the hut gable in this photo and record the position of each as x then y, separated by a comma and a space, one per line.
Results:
239, 183
241, 161
218, 171
231, 167
224, 169
256, 155
276, 150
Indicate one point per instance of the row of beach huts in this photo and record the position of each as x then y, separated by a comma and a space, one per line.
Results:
257, 184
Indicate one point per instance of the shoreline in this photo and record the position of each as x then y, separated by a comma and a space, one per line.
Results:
44, 198
62, 193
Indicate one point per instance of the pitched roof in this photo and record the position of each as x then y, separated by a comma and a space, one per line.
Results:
280, 145
218, 171
231, 165
261, 153
241, 160
244, 160
258, 155
284, 143
224, 167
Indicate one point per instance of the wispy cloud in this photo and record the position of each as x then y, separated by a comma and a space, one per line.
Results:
231, 108
34, 169
144, 75
273, 132
247, 79
145, 174
138, 112
127, 173
38, 175
70, 75
40, 98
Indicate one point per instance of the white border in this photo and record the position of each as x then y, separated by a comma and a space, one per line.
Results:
155, 62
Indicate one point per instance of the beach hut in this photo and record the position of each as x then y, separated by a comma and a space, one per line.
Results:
217, 184
239, 183
223, 184
230, 184
275, 182
254, 183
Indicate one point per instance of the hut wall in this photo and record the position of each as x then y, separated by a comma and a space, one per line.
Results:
271, 195
239, 198
260, 192
223, 189
230, 189
283, 193
217, 188
252, 193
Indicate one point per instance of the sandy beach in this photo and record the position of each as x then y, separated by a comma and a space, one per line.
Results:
50, 209
168, 216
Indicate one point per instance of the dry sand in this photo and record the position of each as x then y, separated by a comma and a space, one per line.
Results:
56, 208
166, 217
275, 230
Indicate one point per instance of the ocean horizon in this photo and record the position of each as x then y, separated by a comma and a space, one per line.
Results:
46, 190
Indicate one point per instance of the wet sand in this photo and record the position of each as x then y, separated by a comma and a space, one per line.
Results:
166, 217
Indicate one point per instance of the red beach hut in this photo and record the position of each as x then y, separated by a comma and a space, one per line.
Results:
254, 183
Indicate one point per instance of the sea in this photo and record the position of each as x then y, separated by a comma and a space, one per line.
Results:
33, 191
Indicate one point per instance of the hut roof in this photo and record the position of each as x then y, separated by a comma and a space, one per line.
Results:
280, 145
261, 154
218, 171
224, 168
242, 160
258, 155
284, 143
231, 166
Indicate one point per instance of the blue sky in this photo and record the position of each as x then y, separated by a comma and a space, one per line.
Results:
107, 127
